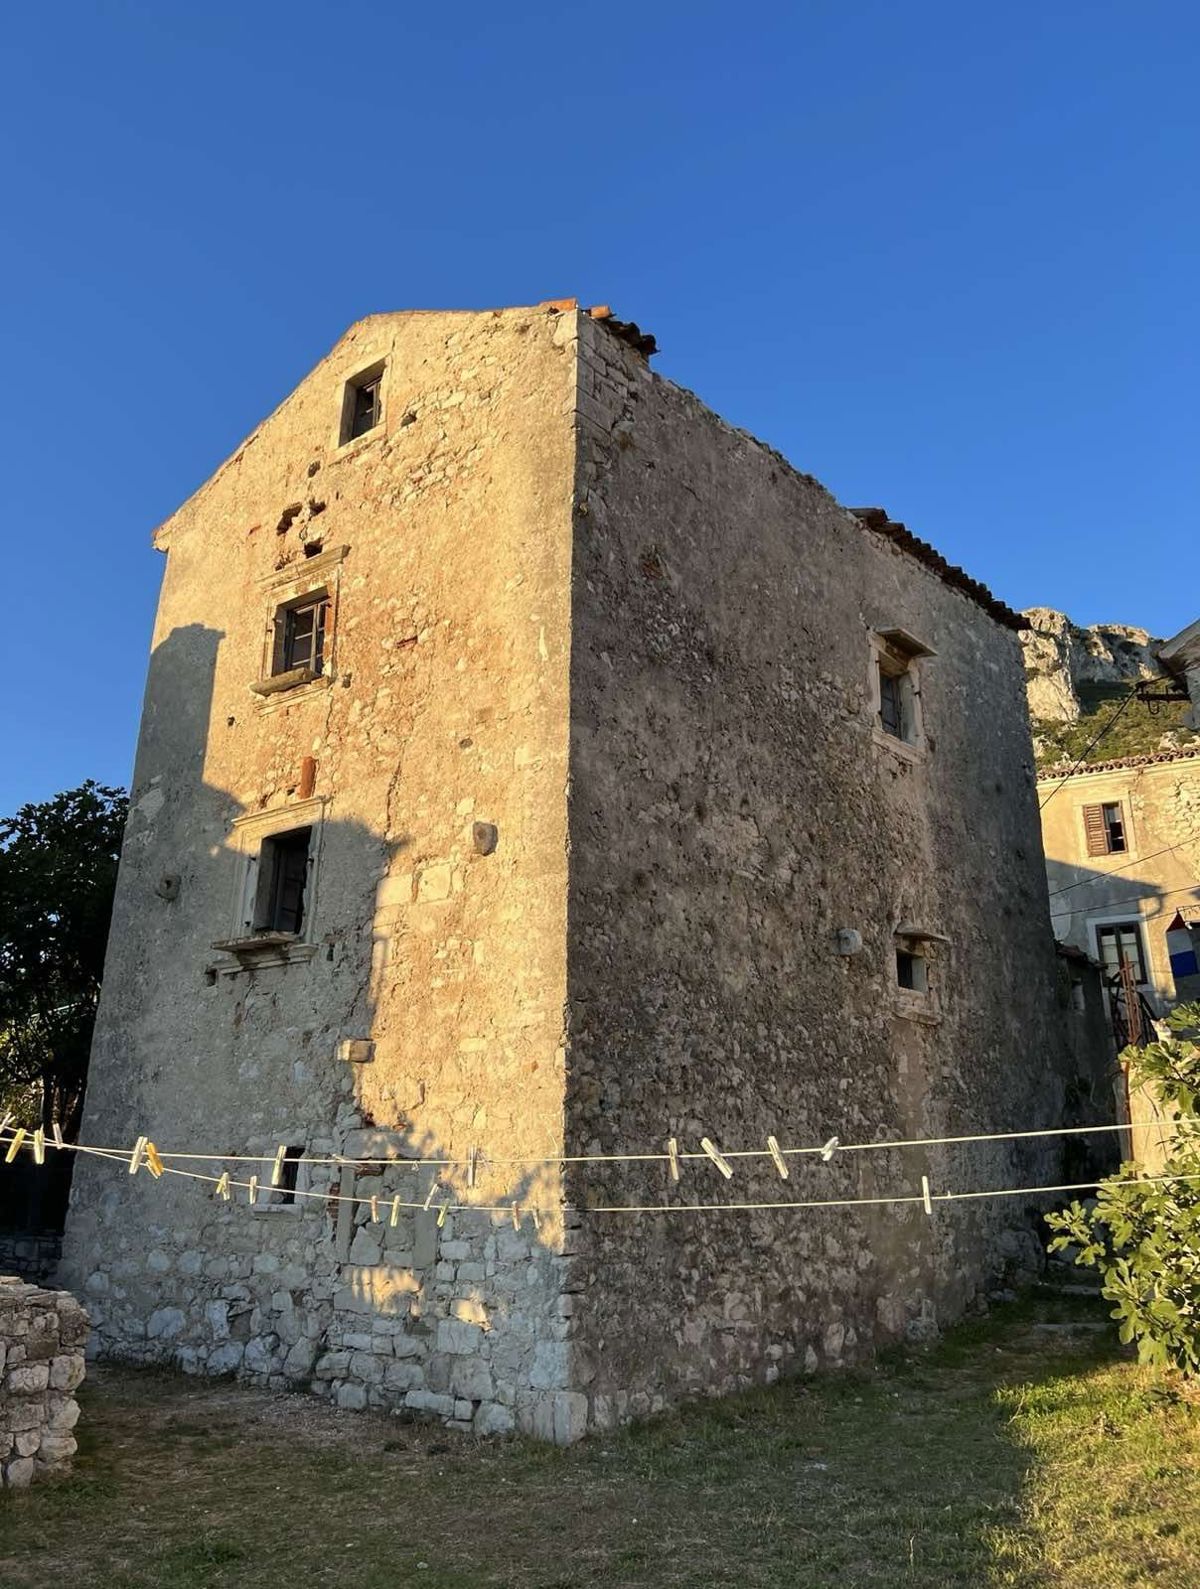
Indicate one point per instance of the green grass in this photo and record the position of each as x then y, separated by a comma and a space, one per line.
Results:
1007, 1455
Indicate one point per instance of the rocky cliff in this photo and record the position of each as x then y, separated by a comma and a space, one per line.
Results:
1077, 678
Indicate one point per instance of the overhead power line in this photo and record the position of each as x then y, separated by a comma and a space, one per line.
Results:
1132, 696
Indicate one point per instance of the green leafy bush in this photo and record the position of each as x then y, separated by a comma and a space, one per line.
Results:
1143, 1234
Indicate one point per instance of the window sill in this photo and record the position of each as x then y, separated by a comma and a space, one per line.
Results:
292, 694
902, 748
260, 950
917, 1007
356, 444
275, 683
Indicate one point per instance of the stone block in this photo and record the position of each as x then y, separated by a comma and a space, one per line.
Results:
332, 1365
226, 1358
27, 1379
458, 1338
62, 1414
18, 1473
57, 1447
493, 1419
66, 1371
470, 1377
351, 1398
165, 1323
430, 1402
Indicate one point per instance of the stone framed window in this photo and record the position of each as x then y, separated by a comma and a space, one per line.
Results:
895, 689
300, 632
362, 404
917, 966
294, 1179
276, 857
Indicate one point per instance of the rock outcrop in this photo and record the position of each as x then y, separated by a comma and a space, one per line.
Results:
1060, 657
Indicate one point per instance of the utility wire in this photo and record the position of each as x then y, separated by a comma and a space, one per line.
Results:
1117, 870
1132, 696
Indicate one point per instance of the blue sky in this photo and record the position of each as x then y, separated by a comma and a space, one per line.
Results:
943, 256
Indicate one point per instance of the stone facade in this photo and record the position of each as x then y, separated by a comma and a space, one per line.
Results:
609, 841
1140, 885
42, 1335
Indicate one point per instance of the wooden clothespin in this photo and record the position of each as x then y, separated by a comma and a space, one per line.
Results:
516, 1212
253, 1189
536, 1218
277, 1167
5, 1123
829, 1149
472, 1164
673, 1157
780, 1162
429, 1193
926, 1196
154, 1161
58, 1136
442, 1212
223, 1185
39, 1146
138, 1154
718, 1158
374, 1210
395, 1215
14, 1147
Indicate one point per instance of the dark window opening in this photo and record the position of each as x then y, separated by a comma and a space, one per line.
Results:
891, 704
364, 414
1119, 943
282, 882
362, 403
1114, 827
300, 635
289, 1173
911, 971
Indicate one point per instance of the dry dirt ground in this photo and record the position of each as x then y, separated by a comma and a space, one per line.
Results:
1024, 1450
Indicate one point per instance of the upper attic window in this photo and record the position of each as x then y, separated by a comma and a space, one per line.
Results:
362, 403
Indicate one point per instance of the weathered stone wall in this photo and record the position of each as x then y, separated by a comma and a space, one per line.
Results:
443, 539
42, 1335
733, 805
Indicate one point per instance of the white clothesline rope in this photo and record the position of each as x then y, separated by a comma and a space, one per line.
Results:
387, 1209
665, 1156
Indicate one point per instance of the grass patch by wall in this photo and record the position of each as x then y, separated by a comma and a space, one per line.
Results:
1010, 1454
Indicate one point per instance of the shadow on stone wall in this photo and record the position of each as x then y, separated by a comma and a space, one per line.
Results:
343, 1286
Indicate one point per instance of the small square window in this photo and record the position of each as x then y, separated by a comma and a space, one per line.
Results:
362, 403
300, 635
282, 883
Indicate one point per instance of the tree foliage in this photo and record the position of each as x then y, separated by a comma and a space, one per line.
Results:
1142, 1234
58, 872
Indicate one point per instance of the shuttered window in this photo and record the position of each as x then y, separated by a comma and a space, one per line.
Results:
1104, 828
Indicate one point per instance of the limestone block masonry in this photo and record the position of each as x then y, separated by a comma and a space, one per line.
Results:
42, 1335
509, 775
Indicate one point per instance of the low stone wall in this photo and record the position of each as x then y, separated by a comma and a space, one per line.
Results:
33, 1255
42, 1336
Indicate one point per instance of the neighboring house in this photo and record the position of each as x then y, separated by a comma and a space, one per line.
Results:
535, 768
1122, 841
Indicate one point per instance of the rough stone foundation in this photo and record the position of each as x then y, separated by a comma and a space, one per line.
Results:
42, 1336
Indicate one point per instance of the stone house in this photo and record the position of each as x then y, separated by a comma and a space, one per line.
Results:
1122, 841
534, 767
